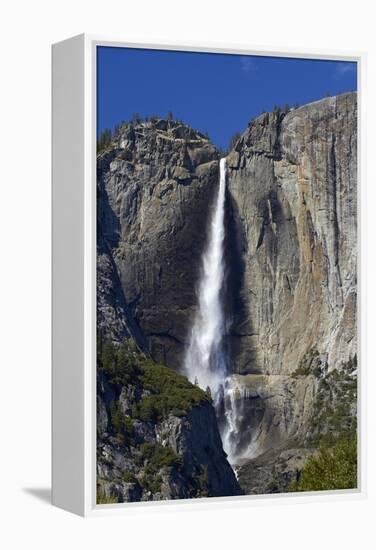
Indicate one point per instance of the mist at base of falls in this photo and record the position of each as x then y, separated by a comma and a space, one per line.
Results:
207, 360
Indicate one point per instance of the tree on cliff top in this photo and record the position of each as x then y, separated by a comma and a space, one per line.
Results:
104, 139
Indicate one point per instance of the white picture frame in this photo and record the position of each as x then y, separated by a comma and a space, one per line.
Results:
74, 276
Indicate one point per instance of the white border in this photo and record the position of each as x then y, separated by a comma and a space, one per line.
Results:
93, 510
90, 270
68, 339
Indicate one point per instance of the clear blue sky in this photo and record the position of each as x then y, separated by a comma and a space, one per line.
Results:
217, 93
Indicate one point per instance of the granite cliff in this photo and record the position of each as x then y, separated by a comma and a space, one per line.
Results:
292, 191
155, 183
292, 184
291, 271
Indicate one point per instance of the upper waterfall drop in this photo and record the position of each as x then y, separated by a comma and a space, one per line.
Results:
206, 361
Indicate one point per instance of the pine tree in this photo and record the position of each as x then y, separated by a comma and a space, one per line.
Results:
108, 356
104, 140
208, 392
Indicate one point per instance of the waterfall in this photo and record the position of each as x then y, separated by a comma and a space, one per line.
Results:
206, 361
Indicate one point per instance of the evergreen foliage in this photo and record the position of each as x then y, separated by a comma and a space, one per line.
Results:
334, 467
155, 393
163, 391
103, 499
333, 427
158, 456
104, 140
334, 411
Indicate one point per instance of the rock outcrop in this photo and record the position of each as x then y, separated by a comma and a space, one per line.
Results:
155, 186
274, 471
157, 434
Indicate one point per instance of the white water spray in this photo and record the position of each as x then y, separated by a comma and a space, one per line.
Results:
206, 359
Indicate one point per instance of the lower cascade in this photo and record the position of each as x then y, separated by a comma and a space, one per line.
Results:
206, 361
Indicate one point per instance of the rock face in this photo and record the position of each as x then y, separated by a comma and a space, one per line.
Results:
145, 453
273, 471
292, 183
271, 410
113, 315
292, 196
155, 187
293, 416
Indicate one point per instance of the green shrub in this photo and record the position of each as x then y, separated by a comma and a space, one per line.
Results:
120, 363
151, 483
157, 456
334, 467
308, 365
102, 498
170, 393
334, 410
153, 457
122, 424
104, 140
129, 477
163, 390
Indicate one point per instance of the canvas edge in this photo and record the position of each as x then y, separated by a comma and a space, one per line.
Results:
68, 139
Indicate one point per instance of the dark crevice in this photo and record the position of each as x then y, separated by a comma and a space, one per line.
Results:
164, 334
261, 236
121, 300
288, 282
333, 180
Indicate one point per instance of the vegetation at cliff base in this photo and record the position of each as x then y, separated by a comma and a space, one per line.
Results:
334, 409
142, 394
102, 498
332, 468
333, 427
